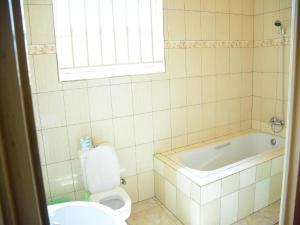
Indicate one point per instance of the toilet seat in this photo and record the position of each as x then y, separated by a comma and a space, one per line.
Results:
117, 199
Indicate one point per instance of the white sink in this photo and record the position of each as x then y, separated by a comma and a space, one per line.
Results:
79, 213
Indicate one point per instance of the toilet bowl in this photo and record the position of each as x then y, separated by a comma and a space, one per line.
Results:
79, 213
101, 177
116, 199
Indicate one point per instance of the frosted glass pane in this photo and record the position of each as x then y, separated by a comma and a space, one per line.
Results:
78, 32
64, 52
133, 31
93, 32
63, 33
107, 26
120, 31
145, 27
157, 30
105, 38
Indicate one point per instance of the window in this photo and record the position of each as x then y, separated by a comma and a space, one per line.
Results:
106, 38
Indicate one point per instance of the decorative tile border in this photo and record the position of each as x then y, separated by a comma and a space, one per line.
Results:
207, 44
271, 42
41, 49
51, 49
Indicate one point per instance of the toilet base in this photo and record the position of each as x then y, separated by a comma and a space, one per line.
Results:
116, 199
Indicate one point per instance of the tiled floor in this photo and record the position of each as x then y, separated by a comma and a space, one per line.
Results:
152, 212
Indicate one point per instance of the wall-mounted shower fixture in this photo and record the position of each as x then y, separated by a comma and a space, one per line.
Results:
277, 124
281, 28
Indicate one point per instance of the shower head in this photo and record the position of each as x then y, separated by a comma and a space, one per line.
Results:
277, 23
281, 29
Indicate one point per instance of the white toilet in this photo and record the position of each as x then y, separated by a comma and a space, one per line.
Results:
101, 176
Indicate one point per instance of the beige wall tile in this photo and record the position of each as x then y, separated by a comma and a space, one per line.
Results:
143, 127
131, 188
196, 193
248, 7
178, 122
210, 213
103, 131
121, 100
236, 6
222, 26
192, 25
51, 109
194, 118
161, 94
210, 192
39, 16
161, 124
124, 132
193, 5
277, 165
175, 4
208, 5
146, 185
127, 160
230, 184
208, 61
275, 188
208, 24
100, 103
247, 177
77, 113
60, 178
159, 187
183, 184
271, 5
193, 62
144, 157
46, 74
194, 91
176, 24
258, 6
76, 132
222, 6
246, 201
56, 145
235, 27
229, 208
178, 90
142, 99
262, 190
170, 197
176, 65
183, 207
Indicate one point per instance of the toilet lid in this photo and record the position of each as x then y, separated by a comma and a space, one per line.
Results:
102, 169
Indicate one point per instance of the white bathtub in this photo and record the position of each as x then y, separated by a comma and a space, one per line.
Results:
226, 154
224, 173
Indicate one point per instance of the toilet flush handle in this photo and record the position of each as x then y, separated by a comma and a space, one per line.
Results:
123, 181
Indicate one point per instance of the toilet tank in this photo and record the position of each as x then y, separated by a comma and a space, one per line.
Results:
100, 169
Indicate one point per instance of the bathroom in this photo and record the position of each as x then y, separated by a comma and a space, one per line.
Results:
189, 119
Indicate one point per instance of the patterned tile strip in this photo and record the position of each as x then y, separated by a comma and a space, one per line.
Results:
50, 48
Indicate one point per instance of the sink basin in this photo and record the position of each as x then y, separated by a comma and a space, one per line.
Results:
79, 213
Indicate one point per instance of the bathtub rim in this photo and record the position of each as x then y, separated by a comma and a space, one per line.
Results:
222, 172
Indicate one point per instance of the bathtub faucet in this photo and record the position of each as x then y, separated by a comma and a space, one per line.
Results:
276, 122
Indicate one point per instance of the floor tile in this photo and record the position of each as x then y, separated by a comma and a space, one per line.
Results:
152, 212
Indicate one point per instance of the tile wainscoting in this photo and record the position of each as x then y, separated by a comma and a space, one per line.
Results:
220, 202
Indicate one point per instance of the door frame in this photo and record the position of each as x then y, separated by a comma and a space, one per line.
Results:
22, 195
290, 197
